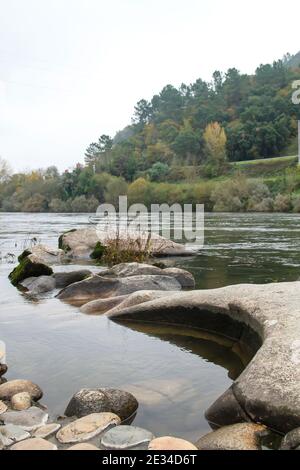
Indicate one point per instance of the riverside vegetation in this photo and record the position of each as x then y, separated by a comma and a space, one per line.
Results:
211, 143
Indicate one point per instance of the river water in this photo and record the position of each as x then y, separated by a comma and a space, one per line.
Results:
174, 375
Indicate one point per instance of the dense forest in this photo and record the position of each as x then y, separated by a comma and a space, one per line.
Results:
181, 146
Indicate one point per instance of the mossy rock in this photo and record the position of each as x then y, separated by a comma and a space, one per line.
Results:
61, 244
26, 269
98, 251
24, 255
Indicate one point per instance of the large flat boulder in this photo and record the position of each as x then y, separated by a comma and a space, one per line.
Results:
96, 287
82, 242
244, 436
263, 318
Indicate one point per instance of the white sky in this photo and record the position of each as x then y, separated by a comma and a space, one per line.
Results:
71, 70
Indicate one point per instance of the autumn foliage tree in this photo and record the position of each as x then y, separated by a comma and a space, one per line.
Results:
215, 142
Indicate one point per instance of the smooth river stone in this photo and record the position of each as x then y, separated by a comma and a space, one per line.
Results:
29, 420
243, 436
11, 433
34, 444
21, 401
126, 437
87, 427
3, 407
83, 446
11, 388
47, 430
171, 443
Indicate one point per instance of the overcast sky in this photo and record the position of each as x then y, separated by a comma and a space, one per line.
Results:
71, 70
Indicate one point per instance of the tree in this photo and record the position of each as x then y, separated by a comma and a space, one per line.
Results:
5, 170
96, 150
159, 171
142, 112
215, 142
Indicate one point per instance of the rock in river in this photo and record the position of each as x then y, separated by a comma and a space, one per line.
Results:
244, 436
11, 388
3, 407
29, 266
87, 427
126, 437
38, 285
96, 287
87, 401
291, 440
63, 280
11, 433
83, 446
47, 430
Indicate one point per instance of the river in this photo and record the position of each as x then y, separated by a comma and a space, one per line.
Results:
175, 377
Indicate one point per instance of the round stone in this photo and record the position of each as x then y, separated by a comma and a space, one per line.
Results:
87, 427
171, 443
34, 444
83, 446
11, 388
126, 437
3, 407
47, 430
21, 401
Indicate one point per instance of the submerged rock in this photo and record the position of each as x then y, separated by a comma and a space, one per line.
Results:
11, 388
29, 420
21, 401
126, 437
102, 305
244, 436
96, 287
38, 285
34, 444
171, 443
87, 401
87, 427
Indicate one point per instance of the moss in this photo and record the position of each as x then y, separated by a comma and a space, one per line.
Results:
26, 269
61, 244
98, 251
24, 255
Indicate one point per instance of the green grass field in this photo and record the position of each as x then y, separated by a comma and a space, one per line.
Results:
265, 167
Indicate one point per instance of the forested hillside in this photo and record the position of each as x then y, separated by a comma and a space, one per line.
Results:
183, 146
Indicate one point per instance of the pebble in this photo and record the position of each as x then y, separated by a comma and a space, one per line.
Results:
11, 388
126, 437
47, 430
34, 444
87, 427
171, 443
21, 401
11, 433
83, 446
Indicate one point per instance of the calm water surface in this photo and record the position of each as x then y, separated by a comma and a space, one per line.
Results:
175, 376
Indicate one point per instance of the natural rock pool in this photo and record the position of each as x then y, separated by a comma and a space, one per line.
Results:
176, 375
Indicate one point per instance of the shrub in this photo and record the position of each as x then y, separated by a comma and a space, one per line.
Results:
282, 203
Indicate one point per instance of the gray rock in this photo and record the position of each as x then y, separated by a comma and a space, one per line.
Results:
29, 420
137, 298
21, 401
3, 369
236, 437
100, 400
126, 437
3, 407
11, 388
11, 433
65, 279
34, 444
97, 287
291, 440
185, 278
38, 285
47, 255
265, 321
86, 428
80, 243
